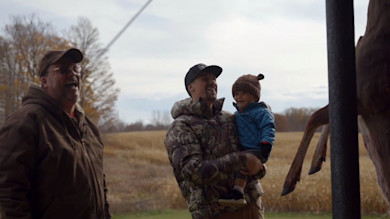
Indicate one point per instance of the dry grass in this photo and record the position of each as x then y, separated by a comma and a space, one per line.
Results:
313, 192
139, 176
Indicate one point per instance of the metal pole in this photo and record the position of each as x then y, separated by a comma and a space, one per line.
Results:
343, 109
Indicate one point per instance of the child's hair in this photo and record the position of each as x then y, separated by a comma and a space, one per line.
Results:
248, 83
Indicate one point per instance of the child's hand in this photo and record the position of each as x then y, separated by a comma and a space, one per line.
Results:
253, 165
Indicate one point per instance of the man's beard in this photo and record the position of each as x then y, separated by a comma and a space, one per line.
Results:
211, 95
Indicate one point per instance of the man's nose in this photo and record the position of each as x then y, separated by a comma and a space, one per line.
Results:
211, 82
72, 72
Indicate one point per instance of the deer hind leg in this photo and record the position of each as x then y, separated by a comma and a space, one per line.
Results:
376, 135
320, 152
318, 119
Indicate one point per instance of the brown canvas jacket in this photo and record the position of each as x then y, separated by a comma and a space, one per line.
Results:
51, 166
202, 148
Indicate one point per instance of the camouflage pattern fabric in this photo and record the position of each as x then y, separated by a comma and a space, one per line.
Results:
203, 149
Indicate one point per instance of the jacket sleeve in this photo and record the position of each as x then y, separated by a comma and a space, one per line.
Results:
17, 158
185, 154
266, 126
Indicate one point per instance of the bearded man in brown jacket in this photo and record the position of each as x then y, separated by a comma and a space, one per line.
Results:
51, 154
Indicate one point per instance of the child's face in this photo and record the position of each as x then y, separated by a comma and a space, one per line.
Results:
243, 99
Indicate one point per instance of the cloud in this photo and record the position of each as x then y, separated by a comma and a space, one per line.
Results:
284, 40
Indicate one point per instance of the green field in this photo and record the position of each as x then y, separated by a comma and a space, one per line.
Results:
183, 214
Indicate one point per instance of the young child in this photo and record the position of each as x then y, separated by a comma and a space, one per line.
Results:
256, 129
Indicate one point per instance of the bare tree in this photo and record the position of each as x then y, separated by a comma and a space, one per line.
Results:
166, 118
98, 91
160, 118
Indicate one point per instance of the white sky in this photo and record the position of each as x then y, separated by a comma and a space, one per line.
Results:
284, 40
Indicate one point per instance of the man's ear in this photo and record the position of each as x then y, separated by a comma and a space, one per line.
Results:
190, 88
43, 82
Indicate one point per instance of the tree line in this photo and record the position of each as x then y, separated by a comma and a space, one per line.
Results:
291, 120
25, 40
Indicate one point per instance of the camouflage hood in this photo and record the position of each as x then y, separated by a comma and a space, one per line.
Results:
188, 107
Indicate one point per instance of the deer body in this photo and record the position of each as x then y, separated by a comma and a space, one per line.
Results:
373, 102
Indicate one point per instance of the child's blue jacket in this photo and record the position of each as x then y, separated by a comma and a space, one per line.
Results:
256, 125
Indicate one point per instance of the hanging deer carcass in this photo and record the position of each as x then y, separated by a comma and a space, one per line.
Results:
373, 102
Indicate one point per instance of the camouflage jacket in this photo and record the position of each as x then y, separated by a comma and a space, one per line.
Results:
204, 152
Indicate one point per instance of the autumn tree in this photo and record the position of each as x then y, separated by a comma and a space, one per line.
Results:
297, 118
280, 122
25, 41
98, 94
3, 79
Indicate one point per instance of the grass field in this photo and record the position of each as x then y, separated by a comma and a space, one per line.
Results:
183, 214
140, 178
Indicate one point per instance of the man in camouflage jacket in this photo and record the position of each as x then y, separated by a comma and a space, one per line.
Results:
203, 148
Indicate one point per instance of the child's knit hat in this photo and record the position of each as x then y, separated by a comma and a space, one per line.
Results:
249, 84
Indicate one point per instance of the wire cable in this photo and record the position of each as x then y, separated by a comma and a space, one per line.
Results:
125, 27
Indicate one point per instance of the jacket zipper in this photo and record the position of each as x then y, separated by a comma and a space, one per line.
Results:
95, 181
98, 201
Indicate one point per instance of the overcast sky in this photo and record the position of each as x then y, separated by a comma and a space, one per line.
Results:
283, 39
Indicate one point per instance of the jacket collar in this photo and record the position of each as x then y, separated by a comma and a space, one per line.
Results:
37, 95
198, 108
249, 107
